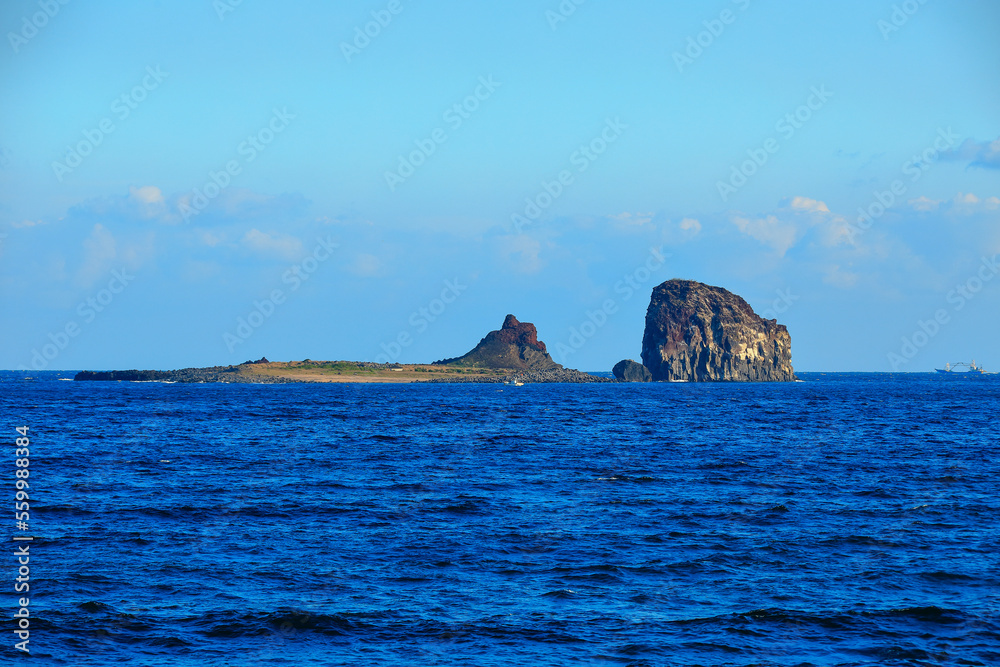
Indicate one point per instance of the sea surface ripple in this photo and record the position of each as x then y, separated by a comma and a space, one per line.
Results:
851, 519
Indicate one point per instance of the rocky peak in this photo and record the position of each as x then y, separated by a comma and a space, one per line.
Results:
696, 332
518, 333
262, 360
514, 345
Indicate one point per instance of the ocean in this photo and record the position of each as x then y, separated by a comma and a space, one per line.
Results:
850, 519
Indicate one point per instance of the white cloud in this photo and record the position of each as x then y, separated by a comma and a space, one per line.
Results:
232, 204
834, 275
365, 265
521, 252
968, 203
770, 231
99, 252
210, 239
984, 154
835, 232
691, 226
147, 202
633, 219
235, 198
924, 204
286, 247
808, 205
147, 194
27, 223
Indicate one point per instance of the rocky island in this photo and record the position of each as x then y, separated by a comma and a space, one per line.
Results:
694, 333
699, 333
513, 351
515, 346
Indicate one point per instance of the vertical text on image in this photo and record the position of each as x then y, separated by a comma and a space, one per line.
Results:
22, 517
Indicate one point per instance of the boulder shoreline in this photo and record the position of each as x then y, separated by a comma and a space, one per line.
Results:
308, 371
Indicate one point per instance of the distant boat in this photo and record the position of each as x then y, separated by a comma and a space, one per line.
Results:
514, 382
973, 369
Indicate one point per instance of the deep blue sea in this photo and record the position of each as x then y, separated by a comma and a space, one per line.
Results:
851, 519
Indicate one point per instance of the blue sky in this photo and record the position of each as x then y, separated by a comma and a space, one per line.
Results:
199, 183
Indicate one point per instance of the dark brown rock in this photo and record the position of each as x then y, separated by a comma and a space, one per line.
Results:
627, 370
699, 333
514, 345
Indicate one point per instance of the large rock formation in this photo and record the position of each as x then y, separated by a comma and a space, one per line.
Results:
699, 333
627, 370
515, 345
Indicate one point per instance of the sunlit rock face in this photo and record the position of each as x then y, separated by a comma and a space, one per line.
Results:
699, 333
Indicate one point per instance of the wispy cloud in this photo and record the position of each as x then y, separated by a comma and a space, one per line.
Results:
279, 245
964, 203
690, 226
783, 228
365, 265
982, 154
628, 219
838, 277
520, 253
769, 230
99, 253
924, 204
808, 205
147, 194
